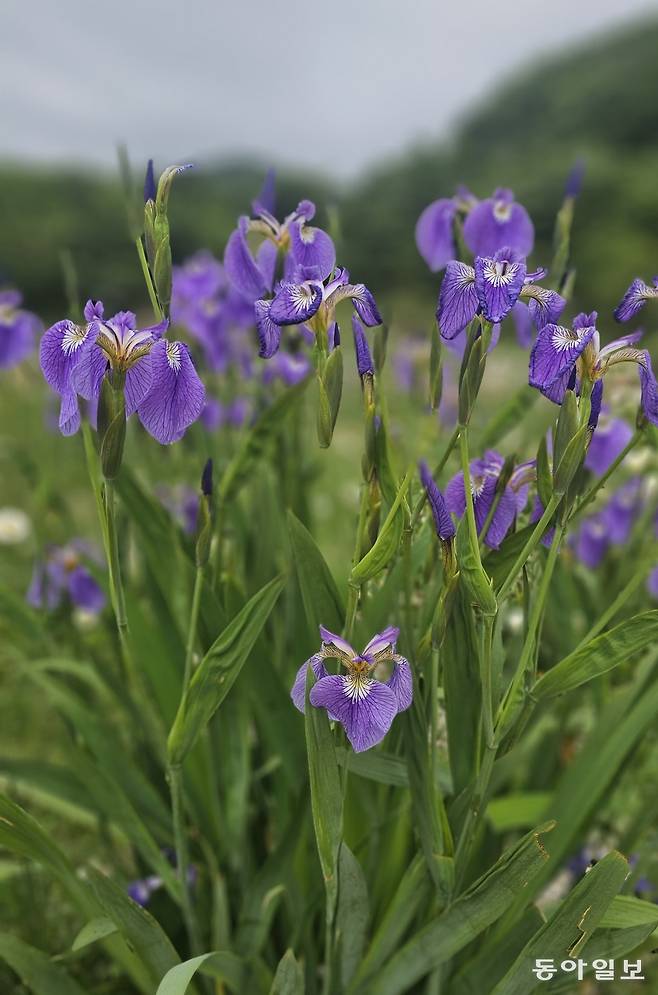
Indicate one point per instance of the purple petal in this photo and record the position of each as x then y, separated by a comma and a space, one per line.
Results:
177, 395
456, 495
84, 590
498, 283
365, 305
139, 380
365, 707
652, 583
401, 684
313, 250
364, 363
59, 353
537, 511
496, 223
90, 369
545, 306
269, 333
591, 542
649, 389
608, 441
522, 319
458, 299
634, 299
382, 641
241, 267
434, 234
94, 310
331, 639
503, 516
69, 413
445, 528
298, 691
596, 399
554, 356
17, 337
295, 303
265, 202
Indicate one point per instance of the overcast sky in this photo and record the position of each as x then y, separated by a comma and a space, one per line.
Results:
335, 86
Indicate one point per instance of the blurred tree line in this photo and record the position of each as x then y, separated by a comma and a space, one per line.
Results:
596, 102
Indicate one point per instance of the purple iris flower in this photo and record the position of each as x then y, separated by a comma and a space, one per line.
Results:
364, 705
62, 574
235, 413
313, 301
364, 361
608, 441
443, 523
492, 287
306, 248
161, 384
635, 298
216, 315
621, 511
499, 222
562, 356
591, 541
492, 224
484, 475
18, 329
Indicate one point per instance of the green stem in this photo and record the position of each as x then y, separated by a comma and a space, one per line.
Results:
420, 504
175, 778
589, 496
116, 582
192, 630
486, 680
354, 590
150, 286
530, 545
468, 493
473, 814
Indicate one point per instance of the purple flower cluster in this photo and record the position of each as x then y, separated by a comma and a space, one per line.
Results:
18, 329
364, 705
609, 527
62, 575
159, 378
493, 499
310, 286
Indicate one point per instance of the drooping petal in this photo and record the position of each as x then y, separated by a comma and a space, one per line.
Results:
85, 591
523, 324
554, 356
648, 389
434, 234
295, 303
269, 333
497, 222
456, 495
177, 395
240, 265
596, 399
60, 351
545, 306
365, 305
635, 298
498, 283
331, 639
365, 707
364, 362
503, 516
69, 413
458, 299
443, 523
298, 691
139, 380
313, 250
401, 683
382, 641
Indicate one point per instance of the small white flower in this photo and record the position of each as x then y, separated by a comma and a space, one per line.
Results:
15, 526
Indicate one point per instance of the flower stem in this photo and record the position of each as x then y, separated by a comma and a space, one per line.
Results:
175, 779
530, 545
468, 493
150, 286
192, 630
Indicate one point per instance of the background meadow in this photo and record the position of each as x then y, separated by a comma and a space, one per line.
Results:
81, 744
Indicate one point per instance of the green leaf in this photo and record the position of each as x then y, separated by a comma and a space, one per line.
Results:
330, 389
219, 669
480, 906
326, 793
571, 926
93, 931
352, 913
387, 542
508, 416
261, 434
544, 476
289, 977
436, 368
36, 969
323, 604
517, 811
600, 655
567, 426
219, 964
140, 930
476, 582
625, 911
565, 470
385, 768
493, 959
